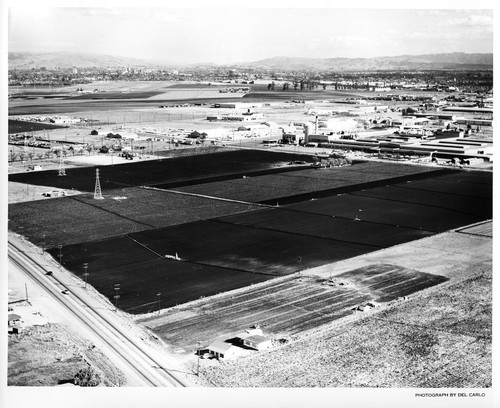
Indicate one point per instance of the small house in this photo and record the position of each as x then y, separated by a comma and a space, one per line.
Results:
14, 323
257, 342
220, 349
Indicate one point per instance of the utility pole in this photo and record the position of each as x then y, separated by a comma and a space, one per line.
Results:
26, 289
85, 272
43, 243
62, 170
60, 254
117, 295
198, 345
158, 295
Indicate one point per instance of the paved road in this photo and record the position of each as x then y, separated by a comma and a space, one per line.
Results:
140, 365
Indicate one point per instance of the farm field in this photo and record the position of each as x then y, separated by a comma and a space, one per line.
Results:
241, 242
19, 126
288, 307
336, 228
142, 274
179, 169
80, 218
227, 244
437, 339
117, 95
418, 208
302, 184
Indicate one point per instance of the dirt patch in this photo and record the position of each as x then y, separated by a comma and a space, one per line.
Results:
52, 354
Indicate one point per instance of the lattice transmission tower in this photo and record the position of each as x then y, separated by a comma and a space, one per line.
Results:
97, 191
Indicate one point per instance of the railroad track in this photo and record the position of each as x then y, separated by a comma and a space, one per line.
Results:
148, 370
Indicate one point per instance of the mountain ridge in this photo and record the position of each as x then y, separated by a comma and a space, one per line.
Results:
455, 60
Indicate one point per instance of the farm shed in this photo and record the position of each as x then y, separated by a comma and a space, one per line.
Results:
220, 349
257, 342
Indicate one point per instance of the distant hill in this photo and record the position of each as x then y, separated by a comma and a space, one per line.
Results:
456, 60
52, 60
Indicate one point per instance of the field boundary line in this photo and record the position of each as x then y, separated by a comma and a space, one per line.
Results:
144, 246
441, 192
293, 233
207, 197
195, 262
75, 198
415, 203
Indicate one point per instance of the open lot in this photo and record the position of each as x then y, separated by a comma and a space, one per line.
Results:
52, 354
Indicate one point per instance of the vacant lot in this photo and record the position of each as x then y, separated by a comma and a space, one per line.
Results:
52, 354
439, 339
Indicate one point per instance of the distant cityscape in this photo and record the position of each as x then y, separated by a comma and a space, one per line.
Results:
476, 81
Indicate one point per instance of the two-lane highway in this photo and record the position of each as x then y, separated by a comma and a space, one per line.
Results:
141, 364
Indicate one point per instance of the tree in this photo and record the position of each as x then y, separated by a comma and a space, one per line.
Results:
87, 377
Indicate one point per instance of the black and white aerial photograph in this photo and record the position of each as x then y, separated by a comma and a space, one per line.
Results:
221, 204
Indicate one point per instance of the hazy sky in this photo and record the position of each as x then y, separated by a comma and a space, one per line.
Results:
225, 34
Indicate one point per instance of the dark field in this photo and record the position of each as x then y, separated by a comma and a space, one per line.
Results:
118, 95
423, 208
80, 218
19, 126
330, 227
304, 184
290, 306
178, 170
141, 274
269, 242
226, 245
85, 105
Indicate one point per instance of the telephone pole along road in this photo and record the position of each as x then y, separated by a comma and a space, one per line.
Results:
141, 365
